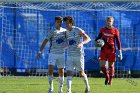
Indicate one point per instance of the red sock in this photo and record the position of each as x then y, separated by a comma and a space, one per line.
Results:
111, 73
104, 70
110, 80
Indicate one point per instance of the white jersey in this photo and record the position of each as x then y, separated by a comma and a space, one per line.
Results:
74, 38
56, 38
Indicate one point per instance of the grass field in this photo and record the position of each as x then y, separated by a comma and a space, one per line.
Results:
40, 85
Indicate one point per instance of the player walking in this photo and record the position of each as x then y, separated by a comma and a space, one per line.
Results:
108, 52
75, 56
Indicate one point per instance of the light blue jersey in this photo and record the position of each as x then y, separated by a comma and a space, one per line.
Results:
74, 37
56, 38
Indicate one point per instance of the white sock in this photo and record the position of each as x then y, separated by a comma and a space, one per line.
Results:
50, 79
69, 82
86, 81
61, 81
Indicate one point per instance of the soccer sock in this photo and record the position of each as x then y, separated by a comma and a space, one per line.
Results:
50, 79
86, 81
111, 73
69, 82
110, 80
104, 70
61, 81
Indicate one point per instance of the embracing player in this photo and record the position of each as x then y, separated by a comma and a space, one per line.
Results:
56, 56
75, 56
109, 34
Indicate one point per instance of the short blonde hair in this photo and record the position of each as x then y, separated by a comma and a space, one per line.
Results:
110, 17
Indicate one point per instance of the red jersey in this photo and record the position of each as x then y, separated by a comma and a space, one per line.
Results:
109, 36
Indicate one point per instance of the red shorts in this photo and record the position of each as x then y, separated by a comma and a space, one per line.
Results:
108, 55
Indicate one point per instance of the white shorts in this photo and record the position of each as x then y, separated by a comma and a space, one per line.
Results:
75, 61
57, 59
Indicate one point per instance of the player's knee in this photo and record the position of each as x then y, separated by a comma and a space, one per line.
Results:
82, 73
50, 73
50, 70
111, 64
61, 71
61, 74
102, 63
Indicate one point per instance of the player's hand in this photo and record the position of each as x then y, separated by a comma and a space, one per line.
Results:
80, 45
38, 55
65, 44
120, 55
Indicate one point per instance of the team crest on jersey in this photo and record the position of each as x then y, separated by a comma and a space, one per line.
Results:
74, 34
72, 42
59, 40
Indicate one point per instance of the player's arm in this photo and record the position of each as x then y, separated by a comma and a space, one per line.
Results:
119, 44
86, 40
48, 37
100, 34
98, 37
65, 43
42, 47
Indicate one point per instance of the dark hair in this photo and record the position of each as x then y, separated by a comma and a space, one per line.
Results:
69, 19
58, 18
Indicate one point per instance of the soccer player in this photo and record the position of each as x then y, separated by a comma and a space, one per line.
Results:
109, 34
75, 53
56, 56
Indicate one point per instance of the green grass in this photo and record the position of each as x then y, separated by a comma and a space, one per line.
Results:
40, 85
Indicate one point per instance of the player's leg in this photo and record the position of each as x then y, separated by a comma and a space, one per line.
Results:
50, 77
111, 72
51, 63
69, 68
69, 80
84, 76
61, 80
60, 64
104, 70
79, 64
111, 61
103, 58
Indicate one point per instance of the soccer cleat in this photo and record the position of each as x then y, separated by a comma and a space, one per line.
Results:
60, 91
50, 90
87, 90
68, 91
106, 81
110, 80
110, 83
